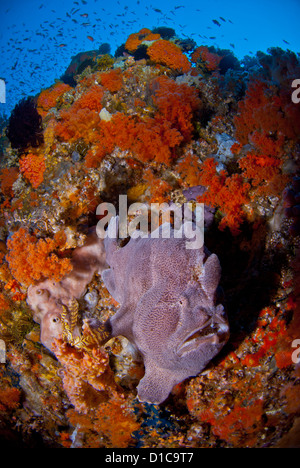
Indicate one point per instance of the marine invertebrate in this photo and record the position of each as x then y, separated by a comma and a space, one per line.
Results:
112, 80
266, 111
49, 97
31, 259
176, 103
91, 99
169, 308
25, 125
9, 398
136, 39
167, 53
81, 119
228, 193
52, 301
33, 166
152, 139
209, 59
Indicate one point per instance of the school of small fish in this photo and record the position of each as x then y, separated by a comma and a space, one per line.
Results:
39, 53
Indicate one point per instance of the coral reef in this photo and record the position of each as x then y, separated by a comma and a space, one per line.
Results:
168, 121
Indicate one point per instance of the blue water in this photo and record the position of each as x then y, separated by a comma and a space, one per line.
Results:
37, 40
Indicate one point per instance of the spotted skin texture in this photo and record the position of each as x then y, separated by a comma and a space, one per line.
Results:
169, 309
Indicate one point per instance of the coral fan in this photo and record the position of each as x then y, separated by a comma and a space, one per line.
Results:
169, 54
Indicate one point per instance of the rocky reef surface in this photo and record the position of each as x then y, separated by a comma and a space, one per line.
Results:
161, 122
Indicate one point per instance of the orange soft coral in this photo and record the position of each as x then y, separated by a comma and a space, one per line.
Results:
91, 99
152, 139
31, 259
100, 408
9, 398
87, 375
76, 125
176, 103
267, 121
112, 80
135, 40
81, 119
33, 166
169, 54
49, 97
189, 170
159, 189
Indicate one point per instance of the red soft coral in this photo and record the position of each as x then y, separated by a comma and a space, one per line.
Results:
267, 111
8, 176
152, 139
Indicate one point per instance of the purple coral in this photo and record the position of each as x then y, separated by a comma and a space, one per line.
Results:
169, 309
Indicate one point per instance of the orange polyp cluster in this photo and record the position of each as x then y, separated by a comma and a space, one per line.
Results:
153, 138
169, 54
31, 259
81, 119
136, 39
33, 166
112, 80
48, 97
